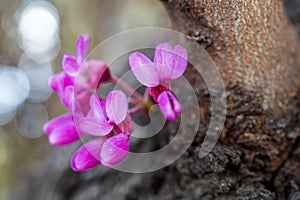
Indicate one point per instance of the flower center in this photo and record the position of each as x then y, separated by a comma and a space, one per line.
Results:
157, 90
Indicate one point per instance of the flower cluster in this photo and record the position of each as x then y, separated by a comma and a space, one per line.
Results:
107, 119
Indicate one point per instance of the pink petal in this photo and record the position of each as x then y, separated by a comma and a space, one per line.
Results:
98, 109
88, 155
126, 126
60, 81
65, 133
98, 71
92, 126
67, 96
78, 111
69, 64
154, 92
82, 99
165, 72
172, 63
169, 105
53, 123
180, 61
163, 54
82, 46
114, 149
143, 69
55, 81
116, 106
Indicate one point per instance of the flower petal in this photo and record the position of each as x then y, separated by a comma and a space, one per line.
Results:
98, 71
126, 126
63, 134
60, 81
143, 69
154, 92
180, 61
116, 106
53, 123
93, 127
88, 155
91, 74
67, 96
82, 46
98, 109
69, 64
114, 149
169, 105
163, 54
171, 62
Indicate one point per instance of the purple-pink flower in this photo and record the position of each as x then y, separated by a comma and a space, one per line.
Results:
169, 63
102, 120
88, 155
108, 151
70, 63
63, 85
104, 116
61, 130
77, 79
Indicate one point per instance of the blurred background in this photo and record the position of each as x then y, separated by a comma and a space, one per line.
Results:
34, 35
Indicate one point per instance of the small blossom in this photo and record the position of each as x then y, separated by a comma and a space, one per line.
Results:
169, 105
91, 72
61, 130
88, 74
88, 155
70, 63
168, 64
115, 149
63, 85
104, 116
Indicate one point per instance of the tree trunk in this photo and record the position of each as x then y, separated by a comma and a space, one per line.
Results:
256, 49
257, 157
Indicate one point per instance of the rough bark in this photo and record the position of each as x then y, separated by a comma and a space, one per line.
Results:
255, 48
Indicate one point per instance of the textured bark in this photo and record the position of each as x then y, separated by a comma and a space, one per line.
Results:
255, 48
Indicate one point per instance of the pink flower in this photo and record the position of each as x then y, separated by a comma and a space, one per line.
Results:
89, 77
104, 116
88, 74
92, 72
114, 149
169, 105
80, 76
168, 64
63, 85
88, 155
70, 63
61, 130
108, 151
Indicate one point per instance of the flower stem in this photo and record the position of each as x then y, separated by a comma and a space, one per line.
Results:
126, 87
135, 109
139, 99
